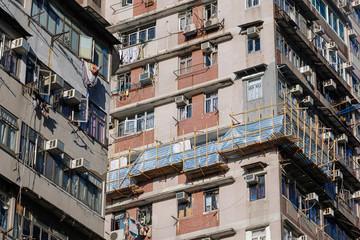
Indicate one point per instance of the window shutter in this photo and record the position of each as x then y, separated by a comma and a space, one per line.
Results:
86, 47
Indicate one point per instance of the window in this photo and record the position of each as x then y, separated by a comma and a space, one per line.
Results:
210, 11
4, 209
119, 221
8, 128
101, 59
184, 208
185, 112
9, 59
252, 3
144, 214
185, 19
127, 2
211, 102
211, 57
123, 82
253, 44
95, 126
211, 200
185, 64
140, 35
150, 67
254, 89
259, 234
136, 123
257, 190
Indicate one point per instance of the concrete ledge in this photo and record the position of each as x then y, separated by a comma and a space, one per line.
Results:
169, 193
167, 98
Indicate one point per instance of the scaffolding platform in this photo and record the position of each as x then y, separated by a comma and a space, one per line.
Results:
291, 131
124, 192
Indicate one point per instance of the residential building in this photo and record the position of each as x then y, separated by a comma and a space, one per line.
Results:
53, 124
234, 120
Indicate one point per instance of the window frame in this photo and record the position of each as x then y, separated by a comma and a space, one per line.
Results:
252, 3
185, 112
211, 57
142, 212
253, 44
185, 60
122, 129
212, 8
9, 59
9, 128
253, 83
257, 188
213, 195
185, 206
186, 17
214, 100
128, 41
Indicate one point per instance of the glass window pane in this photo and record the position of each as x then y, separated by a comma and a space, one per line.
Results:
52, 22
75, 41
74, 185
82, 184
26, 227
85, 47
49, 167
44, 15
44, 235
36, 233
142, 35
57, 172
151, 33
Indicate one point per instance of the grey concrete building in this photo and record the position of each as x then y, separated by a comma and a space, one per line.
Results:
234, 120
53, 120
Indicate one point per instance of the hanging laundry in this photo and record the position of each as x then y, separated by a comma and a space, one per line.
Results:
134, 53
133, 226
125, 55
89, 74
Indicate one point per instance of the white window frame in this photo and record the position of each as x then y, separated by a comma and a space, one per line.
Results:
186, 17
133, 120
213, 11
149, 67
187, 61
213, 98
213, 56
216, 192
124, 80
254, 83
137, 33
127, 2
184, 110
252, 3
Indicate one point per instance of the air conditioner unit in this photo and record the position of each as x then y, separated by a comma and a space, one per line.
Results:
348, 66
54, 146
80, 165
190, 30
72, 96
329, 212
211, 24
253, 32
303, 237
296, 90
118, 235
306, 70
356, 4
331, 46
319, 30
20, 46
356, 195
312, 197
330, 84
180, 100
338, 174
327, 136
344, 5
250, 178
56, 82
206, 47
352, 33
308, 101
146, 78
343, 138
57, 97
182, 197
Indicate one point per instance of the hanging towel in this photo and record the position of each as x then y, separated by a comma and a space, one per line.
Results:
133, 226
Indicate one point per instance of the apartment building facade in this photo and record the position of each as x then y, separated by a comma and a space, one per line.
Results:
234, 120
53, 148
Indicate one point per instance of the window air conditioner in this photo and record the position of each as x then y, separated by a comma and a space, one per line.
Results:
54, 146
190, 30
338, 174
331, 46
312, 197
303, 237
211, 24
56, 82
180, 100
356, 4
57, 97
72, 96
352, 33
344, 5
329, 212
118, 235
327, 136
146, 78
250, 178
330, 84
296, 90
348, 66
80, 165
308, 101
253, 32
343, 138
20, 46
206, 47
306, 70
182, 197
318, 30
356, 195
